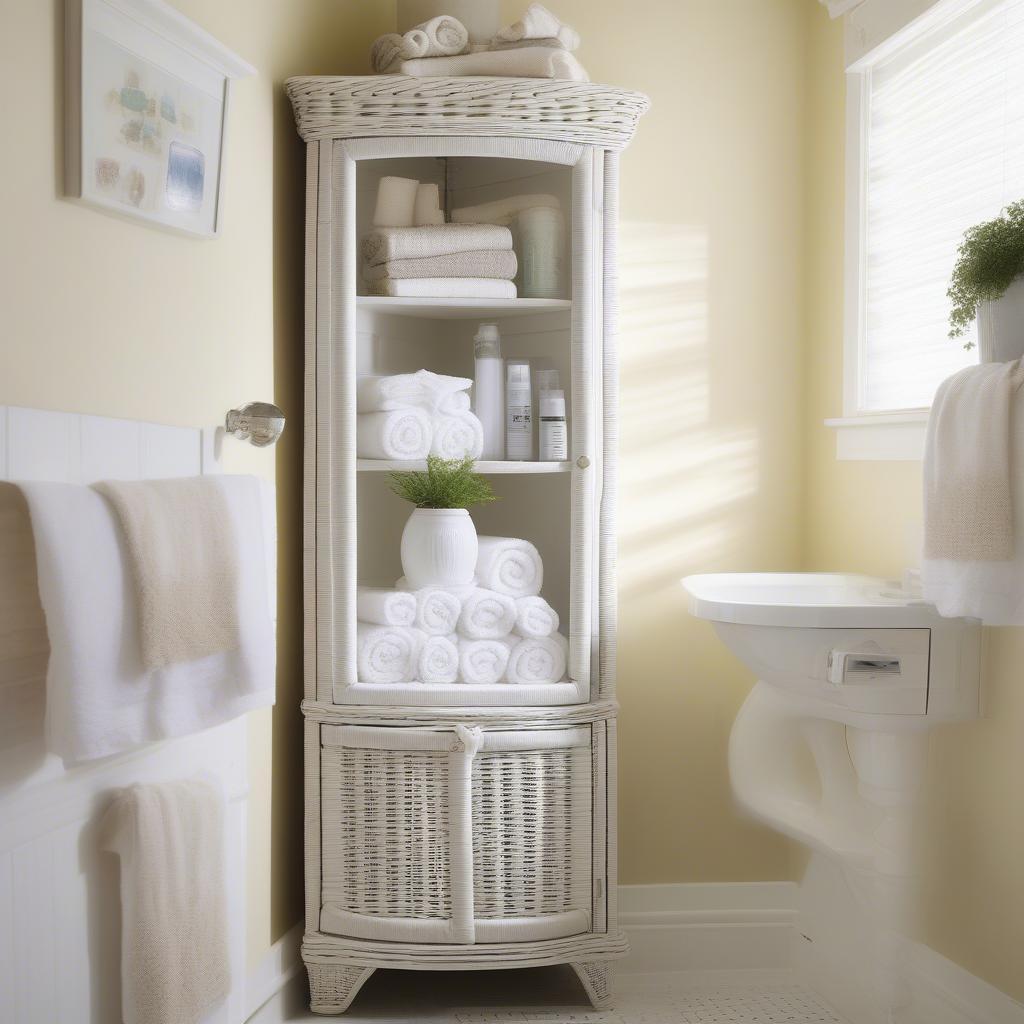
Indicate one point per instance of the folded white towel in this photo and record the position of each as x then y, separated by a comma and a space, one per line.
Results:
184, 565
539, 23
551, 41
528, 62
398, 434
100, 698
427, 210
509, 566
174, 946
438, 661
457, 436
387, 654
503, 211
432, 391
385, 244
461, 591
487, 615
535, 617
383, 607
443, 288
537, 660
482, 661
494, 263
396, 203
437, 610
973, 561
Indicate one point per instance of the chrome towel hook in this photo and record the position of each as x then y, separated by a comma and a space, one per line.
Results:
259, 423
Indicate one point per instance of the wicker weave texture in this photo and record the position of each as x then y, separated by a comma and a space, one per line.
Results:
395, 105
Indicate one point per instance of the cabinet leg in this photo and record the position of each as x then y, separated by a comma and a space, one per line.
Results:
594, 977
332, 988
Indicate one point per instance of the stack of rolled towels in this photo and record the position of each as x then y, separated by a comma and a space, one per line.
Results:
499, 630
413, 415
539, 45
412, 253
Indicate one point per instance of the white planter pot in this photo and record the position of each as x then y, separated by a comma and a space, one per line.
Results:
1001, 326
439, 548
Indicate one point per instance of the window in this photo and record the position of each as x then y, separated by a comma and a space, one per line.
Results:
937, 138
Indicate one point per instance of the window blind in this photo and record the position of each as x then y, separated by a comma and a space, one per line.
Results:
945, 150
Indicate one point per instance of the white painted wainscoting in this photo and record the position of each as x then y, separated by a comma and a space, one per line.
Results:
60, 909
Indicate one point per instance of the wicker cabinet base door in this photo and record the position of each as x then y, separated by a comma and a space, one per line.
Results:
456, 836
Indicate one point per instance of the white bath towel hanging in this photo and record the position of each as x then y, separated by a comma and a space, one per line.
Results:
174, 949
100, 698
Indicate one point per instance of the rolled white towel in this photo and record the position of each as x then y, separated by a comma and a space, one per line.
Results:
482, 661
428, 207
539, 23
461, 591
445, 36
396, 203
459, 435
387, 654
537, 660
487, 616
383, 607
398, 434
438, 661
509, 566
437, 611
433, 391
535, 617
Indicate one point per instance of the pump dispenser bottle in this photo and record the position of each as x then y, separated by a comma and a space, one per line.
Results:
489, 390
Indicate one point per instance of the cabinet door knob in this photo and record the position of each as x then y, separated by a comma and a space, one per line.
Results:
583, 461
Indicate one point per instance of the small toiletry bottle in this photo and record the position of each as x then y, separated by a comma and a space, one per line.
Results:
519, 411
489, 390
541, 233
554, 441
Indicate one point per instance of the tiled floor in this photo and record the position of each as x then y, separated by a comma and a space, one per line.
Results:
552, 996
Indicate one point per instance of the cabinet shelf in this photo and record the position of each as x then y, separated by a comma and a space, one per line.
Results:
483, 466
461, 309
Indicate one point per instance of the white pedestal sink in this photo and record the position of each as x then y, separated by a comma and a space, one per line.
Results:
852, 672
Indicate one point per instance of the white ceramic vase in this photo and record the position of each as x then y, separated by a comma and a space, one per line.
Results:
1001, 326
439, 548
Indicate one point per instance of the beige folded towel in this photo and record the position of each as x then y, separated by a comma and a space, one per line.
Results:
174, 948
385, 244
529, 62
500, 264
184, 564
443, 288
539, 23
968, 513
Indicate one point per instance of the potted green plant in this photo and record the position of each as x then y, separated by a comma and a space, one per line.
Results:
988, 285
439, 545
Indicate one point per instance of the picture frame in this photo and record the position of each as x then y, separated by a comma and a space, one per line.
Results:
146, 108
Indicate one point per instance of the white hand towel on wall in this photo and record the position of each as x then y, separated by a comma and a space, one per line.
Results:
457, 436
509, 566
487, 615
482, 661
382, 607
174, 949
387, 654
100, 698
437, 611
399, 434
537, 660
535, 617
973, 562
438, 661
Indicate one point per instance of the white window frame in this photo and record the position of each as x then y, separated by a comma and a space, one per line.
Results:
873, 30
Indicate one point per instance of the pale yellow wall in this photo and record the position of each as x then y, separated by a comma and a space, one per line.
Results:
106, 316
864, 516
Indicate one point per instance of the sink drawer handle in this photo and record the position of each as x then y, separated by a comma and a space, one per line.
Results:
842, 664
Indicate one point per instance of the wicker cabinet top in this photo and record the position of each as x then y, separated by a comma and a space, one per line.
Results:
397, 105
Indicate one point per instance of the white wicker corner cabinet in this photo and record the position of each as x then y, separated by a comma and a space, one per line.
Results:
459, 827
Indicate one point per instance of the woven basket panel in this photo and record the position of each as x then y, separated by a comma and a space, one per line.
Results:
529, 809
397, 105
386, 835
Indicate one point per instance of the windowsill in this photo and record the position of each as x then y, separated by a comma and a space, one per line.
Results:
883, 437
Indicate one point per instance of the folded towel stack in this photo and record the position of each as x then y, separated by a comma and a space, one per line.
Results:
413, 415
412, 253
536, 46
499, 631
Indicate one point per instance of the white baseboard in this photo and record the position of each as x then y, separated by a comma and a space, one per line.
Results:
709, 927
281, 963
